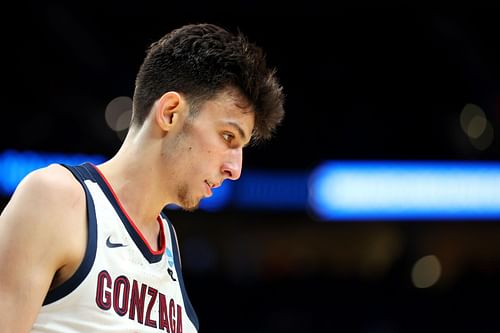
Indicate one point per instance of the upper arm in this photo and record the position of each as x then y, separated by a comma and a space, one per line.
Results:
32, 244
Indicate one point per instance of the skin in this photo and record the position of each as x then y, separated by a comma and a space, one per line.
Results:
173, 158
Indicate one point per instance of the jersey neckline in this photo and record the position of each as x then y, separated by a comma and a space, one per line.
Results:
149, 253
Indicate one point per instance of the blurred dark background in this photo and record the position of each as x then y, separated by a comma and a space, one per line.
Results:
362, 83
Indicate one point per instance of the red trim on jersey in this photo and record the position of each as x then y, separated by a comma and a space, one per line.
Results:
162, 242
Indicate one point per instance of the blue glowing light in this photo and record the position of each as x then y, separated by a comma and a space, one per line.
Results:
405, 190
272, 190
15, 165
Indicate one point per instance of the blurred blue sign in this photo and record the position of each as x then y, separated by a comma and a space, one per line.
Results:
381, 190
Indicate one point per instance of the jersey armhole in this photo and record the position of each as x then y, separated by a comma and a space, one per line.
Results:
90, 252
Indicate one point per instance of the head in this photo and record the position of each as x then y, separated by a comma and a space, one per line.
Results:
213, 74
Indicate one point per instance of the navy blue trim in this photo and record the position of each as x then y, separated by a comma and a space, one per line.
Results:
177, 262
88, 260
150, 257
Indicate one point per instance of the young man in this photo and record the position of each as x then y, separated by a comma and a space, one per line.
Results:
87, 248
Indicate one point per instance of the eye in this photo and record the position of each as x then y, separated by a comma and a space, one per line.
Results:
228, 137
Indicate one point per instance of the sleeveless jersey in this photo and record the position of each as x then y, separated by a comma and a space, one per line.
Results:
122, 285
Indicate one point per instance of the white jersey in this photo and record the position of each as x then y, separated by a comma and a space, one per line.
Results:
122, 284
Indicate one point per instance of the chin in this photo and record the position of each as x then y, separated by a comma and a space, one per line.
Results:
190, 206
186, 201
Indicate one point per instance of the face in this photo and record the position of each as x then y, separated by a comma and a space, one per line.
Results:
208, 148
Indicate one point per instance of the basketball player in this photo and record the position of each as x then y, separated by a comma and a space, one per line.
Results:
87, 248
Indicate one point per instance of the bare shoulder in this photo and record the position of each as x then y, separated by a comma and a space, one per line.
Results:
53, 184
48, 204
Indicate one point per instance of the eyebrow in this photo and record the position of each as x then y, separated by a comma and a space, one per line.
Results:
238, 129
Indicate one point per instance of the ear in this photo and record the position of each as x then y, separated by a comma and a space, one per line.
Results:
169, 107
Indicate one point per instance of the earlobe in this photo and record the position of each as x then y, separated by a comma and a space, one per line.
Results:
167, 109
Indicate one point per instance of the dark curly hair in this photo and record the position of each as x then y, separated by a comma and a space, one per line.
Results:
201, 60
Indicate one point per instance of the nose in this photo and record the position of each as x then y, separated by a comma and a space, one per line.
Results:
232, 167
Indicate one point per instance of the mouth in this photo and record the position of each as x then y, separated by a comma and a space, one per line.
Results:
212, 185
209, 187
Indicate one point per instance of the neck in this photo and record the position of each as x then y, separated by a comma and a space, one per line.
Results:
133, 174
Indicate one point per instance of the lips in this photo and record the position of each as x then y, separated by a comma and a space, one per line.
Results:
212, 185
209, 187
